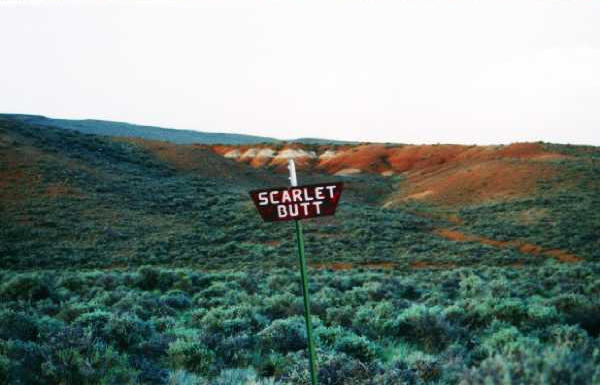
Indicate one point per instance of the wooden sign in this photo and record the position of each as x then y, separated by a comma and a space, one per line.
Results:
298, 202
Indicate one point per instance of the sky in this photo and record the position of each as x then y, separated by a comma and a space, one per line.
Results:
407, 71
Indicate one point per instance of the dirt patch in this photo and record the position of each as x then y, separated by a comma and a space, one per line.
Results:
517, 265
370, 158
342, 266
454, 218
182, 157
54, 190
20, 177
326, 235
529, 248
563, 256
379, 265
419, 195
432, 265
526, 248
198, 159
475, 183
453, 235
549, 157
337, 266
17, 185
533, 215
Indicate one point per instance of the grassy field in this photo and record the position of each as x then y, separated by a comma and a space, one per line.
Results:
119, 266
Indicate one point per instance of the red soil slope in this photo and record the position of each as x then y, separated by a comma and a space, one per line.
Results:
450, 175
17, 180
526, 248
444, 174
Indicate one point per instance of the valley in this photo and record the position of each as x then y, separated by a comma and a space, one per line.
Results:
128, 260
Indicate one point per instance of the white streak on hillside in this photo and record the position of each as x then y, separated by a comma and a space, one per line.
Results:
328, 154
232, 154
291, 153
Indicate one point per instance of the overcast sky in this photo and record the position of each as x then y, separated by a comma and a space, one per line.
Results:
395, 71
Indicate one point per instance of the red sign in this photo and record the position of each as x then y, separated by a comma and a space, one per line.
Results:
299, 202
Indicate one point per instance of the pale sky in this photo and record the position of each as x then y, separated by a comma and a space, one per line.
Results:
410, 71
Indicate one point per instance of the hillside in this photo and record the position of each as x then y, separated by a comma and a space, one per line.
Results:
128, 261
445, 174
104, 127
541, 195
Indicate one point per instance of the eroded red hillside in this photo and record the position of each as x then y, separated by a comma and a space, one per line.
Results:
445, 174
451, 175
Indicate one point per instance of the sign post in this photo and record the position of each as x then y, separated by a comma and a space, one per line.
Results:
302, 260
298, 202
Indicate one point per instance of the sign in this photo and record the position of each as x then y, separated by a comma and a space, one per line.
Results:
297, 202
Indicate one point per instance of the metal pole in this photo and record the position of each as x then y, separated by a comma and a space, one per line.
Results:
311, 347
304, 278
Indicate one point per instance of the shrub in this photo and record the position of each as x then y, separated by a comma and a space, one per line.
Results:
426, 367
328, 336
284, 335
535, 365
125, 330
4, 367
176, 299
94, 321
510, 310
222, 322
162, 324
66, 337
342, 316
584, 313
16, 325
154, 347
98, 364
568, 336
148, 278
540, 315
28, 287
471, 285
358, 347
190, 355
324, 299
182, 377
410, 368
48, 327
25, 360
372, 321
151, 278
71, 311
237, 350
283, 306
273, 365
335, 368
235, 377
144, 305
424, 325
357, 295
219, 294
73, 282
506, 339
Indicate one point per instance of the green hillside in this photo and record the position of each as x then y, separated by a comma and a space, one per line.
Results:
120, 267
104, 127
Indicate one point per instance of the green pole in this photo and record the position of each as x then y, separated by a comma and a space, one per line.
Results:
311, 345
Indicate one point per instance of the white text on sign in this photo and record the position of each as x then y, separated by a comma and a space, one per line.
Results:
297, 201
